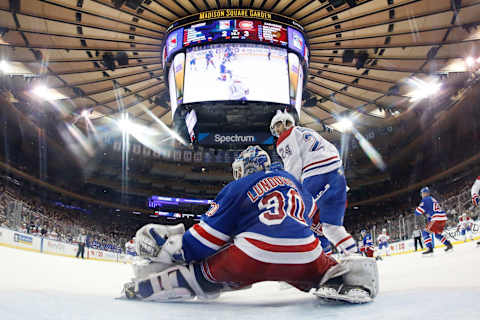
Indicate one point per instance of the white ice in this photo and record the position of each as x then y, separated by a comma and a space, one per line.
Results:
39, 286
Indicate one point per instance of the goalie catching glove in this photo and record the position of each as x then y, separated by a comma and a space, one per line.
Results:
161, 243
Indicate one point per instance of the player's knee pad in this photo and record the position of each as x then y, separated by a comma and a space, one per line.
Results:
339, 237
142, 268
363, 272
175, 283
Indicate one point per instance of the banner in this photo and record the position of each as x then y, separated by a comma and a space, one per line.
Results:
235, 138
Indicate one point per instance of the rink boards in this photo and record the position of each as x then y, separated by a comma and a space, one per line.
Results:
18, 240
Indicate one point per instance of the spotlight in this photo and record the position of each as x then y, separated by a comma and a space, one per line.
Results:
124, 124
345, 123
41, 91
423, 89
4, 67
85, 113
470, 61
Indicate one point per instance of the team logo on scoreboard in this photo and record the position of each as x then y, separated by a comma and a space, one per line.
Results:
297, 41
172, 42
224, 24
246, 25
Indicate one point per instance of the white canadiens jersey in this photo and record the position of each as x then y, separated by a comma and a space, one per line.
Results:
464, 222
476, 189
305, 153
130, 246
383, 238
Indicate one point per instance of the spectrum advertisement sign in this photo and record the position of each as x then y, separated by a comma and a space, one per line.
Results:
235, 138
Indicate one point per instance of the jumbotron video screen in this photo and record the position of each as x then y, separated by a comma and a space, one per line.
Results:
250, 72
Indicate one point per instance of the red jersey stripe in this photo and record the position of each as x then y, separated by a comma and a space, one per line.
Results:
279, 248
317, 162
207, 236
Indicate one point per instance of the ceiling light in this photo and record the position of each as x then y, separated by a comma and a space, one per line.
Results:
4, 67
470, 61
423, 89
84, 113
124, 124
343, 125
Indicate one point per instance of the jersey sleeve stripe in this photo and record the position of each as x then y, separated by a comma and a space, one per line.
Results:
207, 236
203, 241
420, 210
343, 240
318, 162
214, 232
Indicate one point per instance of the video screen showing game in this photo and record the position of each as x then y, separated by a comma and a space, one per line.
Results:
248, 72
235, 29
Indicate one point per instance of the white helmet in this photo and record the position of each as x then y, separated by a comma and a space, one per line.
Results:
283, 117
251, 160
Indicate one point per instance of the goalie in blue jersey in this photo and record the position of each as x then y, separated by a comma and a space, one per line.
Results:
257, 229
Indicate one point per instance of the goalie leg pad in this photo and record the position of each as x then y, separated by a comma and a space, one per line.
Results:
175, 283
354, 280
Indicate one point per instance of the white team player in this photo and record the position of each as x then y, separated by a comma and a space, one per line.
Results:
130, 250
465, 226
383, 242
476, 195
316, 163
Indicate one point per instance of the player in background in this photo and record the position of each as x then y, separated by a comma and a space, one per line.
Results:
367, 244
257, 229
383, 242
193, 63
130, 249
224, 71
476, 195
316, 163
437, 219
465, 227
209, 59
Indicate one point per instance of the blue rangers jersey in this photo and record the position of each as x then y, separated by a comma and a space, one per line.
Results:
367, 241
266, 215
430, 207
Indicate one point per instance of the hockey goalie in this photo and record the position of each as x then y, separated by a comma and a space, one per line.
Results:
257, 229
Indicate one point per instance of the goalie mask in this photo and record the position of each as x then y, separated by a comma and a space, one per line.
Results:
251, 160
281, 117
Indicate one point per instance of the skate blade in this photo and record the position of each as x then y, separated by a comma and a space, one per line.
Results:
329, 297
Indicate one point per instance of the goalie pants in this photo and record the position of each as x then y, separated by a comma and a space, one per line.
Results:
234, 267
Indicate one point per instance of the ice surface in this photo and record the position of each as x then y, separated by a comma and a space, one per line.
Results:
40, 286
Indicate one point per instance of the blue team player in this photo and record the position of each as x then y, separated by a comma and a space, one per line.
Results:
209, 58
257, 229
367, 244
437, 219
224, 71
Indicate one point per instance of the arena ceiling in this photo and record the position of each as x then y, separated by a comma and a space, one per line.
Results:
397, 44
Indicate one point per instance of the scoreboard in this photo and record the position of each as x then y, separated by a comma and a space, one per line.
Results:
235, 29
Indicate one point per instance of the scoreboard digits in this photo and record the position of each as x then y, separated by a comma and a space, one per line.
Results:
235, 29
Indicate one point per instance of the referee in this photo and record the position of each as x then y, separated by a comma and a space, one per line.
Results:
82, 239
417, 236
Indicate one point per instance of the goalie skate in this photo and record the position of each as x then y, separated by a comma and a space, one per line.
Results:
349, 295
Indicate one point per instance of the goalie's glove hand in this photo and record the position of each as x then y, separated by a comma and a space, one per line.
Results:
160, 243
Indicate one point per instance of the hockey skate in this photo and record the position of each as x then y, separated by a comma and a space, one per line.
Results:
449, 248
354, 280
428, 252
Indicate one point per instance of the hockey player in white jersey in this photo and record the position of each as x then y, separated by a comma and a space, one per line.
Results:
130, 249
465, 224
316, 163
476, 195
383, 242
